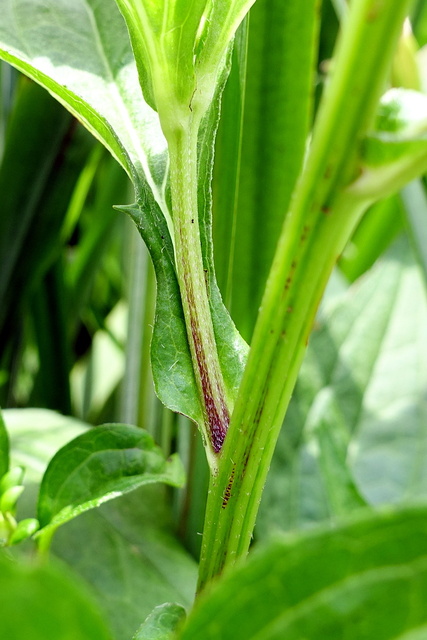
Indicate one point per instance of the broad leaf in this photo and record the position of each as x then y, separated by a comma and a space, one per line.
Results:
354, 416
44, 602
81, 53
98, 466
35, 437
4, 447
161, 623
139, 565
364, 580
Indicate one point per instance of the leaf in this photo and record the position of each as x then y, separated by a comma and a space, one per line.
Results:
98, 466
367, 579
161, 623
139, 565
35, 160
354, 415
180, 47
4, 447
36, 435
163, 37
170, 356
379, 228
46, 603
82, 55
415, 204
395, 152
276, 119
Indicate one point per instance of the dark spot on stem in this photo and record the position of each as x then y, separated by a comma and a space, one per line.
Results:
227, 493
328, 172
304, 234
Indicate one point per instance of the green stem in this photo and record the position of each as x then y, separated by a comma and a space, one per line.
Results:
193, 286
321, 219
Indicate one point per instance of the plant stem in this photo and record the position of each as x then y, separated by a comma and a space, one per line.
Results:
193, 285
321, 219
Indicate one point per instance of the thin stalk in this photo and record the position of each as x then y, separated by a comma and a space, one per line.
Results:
129, 401
194, 294
321, 219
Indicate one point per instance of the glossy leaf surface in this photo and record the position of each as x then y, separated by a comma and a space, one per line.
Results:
101, 464
81, 53
364, 580
161, 623
35, 437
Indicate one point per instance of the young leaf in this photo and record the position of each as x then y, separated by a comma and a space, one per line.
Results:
100, 465
46, 603
180, 47
161, 623
4, 448
367, 579
395, 152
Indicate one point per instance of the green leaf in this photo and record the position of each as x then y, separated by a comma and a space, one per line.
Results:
379, 227
24, 530
4, 447
98, 466
161, 623
163, 37
180, 47
170, 356
277, 117
415, 203
367, 579
354, 416
82, 55
46, 603
139, 565
395, 152
35, 437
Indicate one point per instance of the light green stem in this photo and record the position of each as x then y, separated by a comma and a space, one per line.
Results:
321, 219
194, 290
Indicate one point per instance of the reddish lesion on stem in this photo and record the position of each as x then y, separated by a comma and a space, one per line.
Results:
216, 414
215, 410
